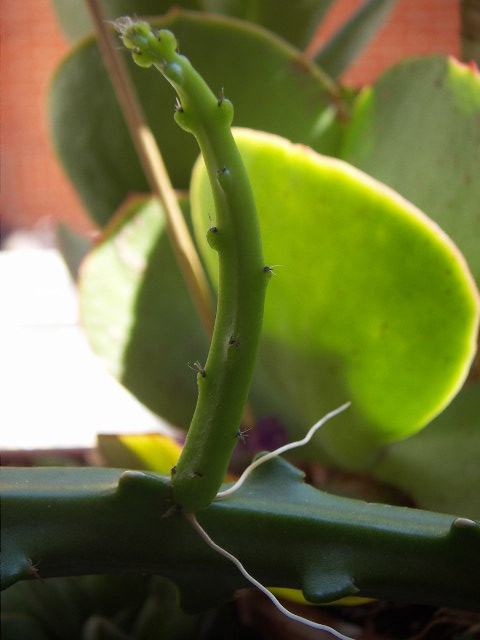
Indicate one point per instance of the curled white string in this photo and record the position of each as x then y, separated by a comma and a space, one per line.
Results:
273, 454
293, 616
223, 552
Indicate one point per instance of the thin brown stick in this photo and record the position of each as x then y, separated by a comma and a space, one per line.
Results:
154, 168
157, 176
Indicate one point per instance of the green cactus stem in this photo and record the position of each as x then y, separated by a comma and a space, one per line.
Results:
224, 381
60, 522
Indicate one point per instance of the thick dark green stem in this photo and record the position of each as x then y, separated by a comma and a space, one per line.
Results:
224, 381
60, 522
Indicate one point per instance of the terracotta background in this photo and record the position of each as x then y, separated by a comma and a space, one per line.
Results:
33, 188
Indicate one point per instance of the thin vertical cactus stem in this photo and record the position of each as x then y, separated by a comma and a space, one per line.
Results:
224, 381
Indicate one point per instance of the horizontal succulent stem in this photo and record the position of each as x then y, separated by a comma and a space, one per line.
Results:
61, 522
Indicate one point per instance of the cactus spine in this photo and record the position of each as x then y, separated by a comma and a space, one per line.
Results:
224, 381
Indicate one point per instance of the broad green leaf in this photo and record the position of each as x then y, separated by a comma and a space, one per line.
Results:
353, 36
75, 21
145, 451
73, 246
73, 18
93, 608
139, 319
295, 595
372, 302
137, 313
417, 129
271, 85
295, 21
439, 467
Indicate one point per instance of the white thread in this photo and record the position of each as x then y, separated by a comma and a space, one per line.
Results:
293, 616
223, 552
273, 454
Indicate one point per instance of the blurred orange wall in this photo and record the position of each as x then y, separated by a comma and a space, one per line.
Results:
33, 186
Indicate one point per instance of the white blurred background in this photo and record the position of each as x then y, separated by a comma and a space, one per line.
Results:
55, 393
